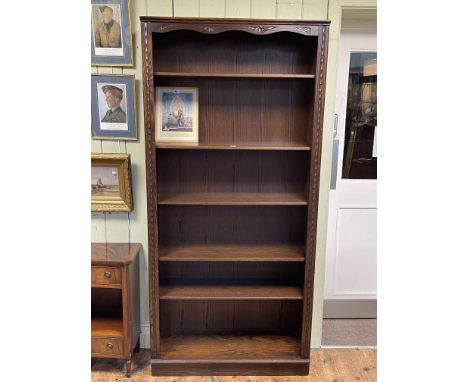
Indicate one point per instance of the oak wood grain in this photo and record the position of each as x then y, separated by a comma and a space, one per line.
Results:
107, 327
113, 254
252, 180
222, 292
234, 75
229, 347
234, 199
269, 146
240, 252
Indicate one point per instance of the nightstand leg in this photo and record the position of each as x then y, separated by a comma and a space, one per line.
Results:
137, 346
128, 367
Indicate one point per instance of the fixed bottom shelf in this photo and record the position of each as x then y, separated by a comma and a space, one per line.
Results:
227, 347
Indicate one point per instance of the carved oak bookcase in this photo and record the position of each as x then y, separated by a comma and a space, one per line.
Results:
232, 219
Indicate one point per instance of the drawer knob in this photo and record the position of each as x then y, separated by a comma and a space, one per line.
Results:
110, 345
107, 275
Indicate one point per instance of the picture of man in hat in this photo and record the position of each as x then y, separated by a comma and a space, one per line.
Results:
108, 33
114, 96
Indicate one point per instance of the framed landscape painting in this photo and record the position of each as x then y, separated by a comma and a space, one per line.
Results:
111, 33
111, 187
113, 107
176, 114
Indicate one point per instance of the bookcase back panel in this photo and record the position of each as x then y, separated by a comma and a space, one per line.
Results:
234, 273
232, 225
240, 110
235, 171
234, 52
231, 317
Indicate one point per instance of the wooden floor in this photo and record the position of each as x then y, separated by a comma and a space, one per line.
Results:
328, 365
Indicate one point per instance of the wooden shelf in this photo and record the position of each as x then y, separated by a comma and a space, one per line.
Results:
234, 75
233, 199
218, 253
106, 327
230, 347
286, 146
214, 292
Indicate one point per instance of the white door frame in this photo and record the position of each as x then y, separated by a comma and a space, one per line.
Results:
347, 194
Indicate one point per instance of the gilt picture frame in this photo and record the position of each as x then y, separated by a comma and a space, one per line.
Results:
176, 114
111, 33
111, 183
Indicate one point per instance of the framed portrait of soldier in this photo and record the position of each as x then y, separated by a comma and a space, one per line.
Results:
113, 107
111, 33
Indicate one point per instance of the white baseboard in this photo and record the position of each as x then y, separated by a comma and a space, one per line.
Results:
145, 342
356, 308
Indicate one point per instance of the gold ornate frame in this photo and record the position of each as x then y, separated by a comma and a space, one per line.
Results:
123, 202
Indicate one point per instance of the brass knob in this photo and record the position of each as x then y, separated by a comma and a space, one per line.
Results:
107, 275
110, 345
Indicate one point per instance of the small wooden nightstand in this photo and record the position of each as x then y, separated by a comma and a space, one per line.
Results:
115, 301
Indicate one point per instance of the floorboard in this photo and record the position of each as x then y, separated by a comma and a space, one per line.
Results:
328, 365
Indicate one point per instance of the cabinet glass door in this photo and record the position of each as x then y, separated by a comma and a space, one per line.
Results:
360, 149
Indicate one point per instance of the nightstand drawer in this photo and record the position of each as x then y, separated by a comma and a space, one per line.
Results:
106, 276
106, 346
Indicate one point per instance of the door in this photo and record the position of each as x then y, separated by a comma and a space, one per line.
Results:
351, 260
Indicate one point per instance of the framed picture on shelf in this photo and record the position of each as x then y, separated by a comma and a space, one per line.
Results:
176, 114
111, 34
113, 107
111, 183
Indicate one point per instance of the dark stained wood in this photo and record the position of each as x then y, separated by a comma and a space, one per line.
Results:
220, 292
229, 347
277, 146
239, 75
252, 366
234, 199
275, 253
253, 110
260, 225
269, 172
231, 317
313, 192
113, 254
115, 305
220, 209
151, 186
234, 52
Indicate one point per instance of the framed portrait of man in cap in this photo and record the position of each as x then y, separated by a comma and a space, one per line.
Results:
111, 37
113, 107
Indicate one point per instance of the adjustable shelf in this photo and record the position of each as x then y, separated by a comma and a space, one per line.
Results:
285, 146
233, 199
226, 253
236, 75
232, 218
217, 292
